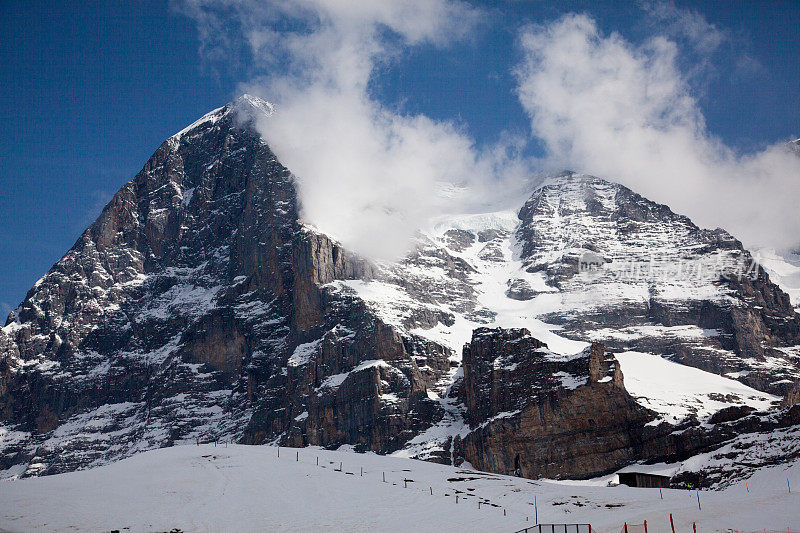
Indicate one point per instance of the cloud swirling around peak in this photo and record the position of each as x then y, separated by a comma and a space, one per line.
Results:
608, 107
367, 174
370, 175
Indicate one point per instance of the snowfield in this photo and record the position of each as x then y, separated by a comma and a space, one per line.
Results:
250, 488
677, 391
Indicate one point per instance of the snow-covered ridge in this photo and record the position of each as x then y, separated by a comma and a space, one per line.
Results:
246, 104
784, 270
677, 391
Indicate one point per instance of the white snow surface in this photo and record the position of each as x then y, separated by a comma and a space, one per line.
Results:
677, 391
784, 270
304, 352
249, 488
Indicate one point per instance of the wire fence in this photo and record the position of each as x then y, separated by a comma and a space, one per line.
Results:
463, 497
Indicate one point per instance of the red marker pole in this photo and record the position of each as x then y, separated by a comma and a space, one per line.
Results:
535, 510
659, 490
747, 486
671, 524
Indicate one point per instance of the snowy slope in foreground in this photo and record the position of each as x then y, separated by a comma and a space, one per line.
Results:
244, 488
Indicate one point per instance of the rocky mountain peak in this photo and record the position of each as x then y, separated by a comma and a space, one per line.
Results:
242, 111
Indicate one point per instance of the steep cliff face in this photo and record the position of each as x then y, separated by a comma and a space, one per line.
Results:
195, 308
537, 414
588, 260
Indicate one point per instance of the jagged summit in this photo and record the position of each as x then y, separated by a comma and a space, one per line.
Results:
246, 108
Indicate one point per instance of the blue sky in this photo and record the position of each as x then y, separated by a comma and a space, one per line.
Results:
89, 90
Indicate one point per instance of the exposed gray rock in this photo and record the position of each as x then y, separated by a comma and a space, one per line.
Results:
519, 289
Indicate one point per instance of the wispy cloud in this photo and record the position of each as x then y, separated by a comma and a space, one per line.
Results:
625, 111
368, 175
706, 50
704, 37
371, 175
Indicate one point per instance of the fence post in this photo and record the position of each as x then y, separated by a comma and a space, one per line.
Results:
431, 491
279, 451
297, 457
384, 477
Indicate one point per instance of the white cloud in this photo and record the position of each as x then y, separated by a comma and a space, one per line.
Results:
704, 37
707, 50
368, 175
607, 107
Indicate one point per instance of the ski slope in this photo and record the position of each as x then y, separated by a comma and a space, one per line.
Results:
250, 488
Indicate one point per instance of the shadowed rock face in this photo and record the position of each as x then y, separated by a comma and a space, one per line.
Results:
537, 414
175, 316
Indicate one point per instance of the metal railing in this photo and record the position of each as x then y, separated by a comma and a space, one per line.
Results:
557, 528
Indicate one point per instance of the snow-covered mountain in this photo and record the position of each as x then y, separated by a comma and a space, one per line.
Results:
589, 329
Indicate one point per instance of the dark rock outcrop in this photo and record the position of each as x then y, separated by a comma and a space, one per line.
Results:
537, 414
